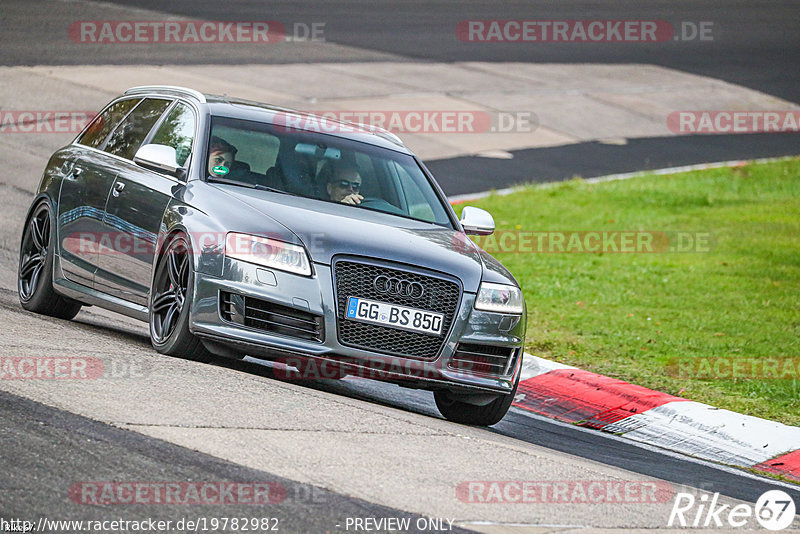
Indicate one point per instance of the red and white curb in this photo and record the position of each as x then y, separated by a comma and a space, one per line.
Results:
590, 400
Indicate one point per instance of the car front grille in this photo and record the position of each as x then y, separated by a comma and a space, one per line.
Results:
483, 359
270, 317
355, 279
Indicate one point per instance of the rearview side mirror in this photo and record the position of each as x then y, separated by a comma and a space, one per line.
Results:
161, 158
477, 221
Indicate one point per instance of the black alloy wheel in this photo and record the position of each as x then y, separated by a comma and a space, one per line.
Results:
170, 301
35, 273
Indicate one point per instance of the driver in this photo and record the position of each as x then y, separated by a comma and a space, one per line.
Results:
344, 184
220, 154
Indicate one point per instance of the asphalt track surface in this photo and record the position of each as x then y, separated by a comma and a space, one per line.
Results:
537, 165
44, 449
754, 44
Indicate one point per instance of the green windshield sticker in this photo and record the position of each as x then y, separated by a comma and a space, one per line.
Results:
221, 170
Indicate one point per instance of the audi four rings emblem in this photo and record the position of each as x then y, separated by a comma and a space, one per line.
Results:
398, 286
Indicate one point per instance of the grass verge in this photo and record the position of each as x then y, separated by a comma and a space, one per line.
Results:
710, 313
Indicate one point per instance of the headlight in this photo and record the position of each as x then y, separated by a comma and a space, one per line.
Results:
268, 252
500, 298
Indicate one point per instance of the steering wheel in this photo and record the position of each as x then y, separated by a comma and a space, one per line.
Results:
378, 204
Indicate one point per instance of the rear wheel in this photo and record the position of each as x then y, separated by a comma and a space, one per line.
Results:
459, 411
35, 273
170, 300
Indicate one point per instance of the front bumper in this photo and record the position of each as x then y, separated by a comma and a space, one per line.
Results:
315, 295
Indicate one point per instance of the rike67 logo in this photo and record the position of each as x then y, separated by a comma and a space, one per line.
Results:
774, 510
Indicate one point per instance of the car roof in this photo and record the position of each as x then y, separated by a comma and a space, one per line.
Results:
226, 106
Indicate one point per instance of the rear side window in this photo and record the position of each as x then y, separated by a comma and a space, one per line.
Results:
130, 133
258, 149
101, 126
177, 131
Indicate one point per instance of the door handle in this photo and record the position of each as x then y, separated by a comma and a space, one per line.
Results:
118, 187
70, 172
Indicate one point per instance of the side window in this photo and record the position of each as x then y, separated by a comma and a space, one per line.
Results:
258, 150
366, 169
372, 184
418, 206
102, 125
177, 131
128, 136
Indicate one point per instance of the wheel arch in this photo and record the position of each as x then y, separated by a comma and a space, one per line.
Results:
45, 196
163, 241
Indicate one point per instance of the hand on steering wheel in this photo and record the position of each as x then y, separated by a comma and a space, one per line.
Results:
354, 199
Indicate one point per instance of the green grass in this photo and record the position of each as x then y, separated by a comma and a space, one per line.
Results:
630, 315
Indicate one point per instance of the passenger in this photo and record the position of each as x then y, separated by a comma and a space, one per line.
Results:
344, 183
220, 154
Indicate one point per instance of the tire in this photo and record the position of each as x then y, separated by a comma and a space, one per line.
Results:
35, 270
471, 414
170, 299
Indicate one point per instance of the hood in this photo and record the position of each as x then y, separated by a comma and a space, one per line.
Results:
328, 229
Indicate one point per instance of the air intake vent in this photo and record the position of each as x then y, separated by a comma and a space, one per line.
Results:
267, 316
483, 359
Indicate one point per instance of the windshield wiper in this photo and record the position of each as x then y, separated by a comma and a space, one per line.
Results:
274, 190
220, 180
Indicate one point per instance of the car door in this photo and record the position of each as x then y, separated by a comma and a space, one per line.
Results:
85, 185
136, 207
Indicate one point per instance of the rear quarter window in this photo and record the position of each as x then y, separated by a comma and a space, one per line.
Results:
129, 135
104, 123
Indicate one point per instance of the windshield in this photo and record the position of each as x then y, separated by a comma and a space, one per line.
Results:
321, 167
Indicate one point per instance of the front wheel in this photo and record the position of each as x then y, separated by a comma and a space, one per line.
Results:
170, 300
472, 414
35, 273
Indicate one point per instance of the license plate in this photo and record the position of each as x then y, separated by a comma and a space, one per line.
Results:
392, 315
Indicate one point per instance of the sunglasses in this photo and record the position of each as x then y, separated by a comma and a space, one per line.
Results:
344, 184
